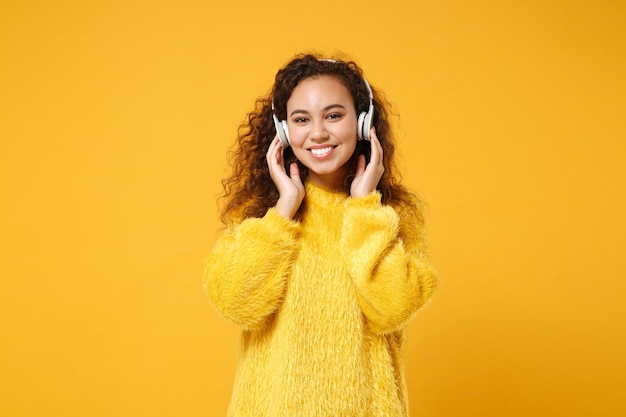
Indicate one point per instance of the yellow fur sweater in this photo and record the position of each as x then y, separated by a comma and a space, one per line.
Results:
322, 305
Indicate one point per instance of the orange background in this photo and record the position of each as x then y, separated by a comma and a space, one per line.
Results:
115, 118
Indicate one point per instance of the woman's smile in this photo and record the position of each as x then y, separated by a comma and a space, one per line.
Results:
322, 152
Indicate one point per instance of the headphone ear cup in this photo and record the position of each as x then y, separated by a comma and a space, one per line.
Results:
367, 123
287, 141
359, 126
281, 131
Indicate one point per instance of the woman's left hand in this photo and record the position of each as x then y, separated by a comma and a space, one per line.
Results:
367, 176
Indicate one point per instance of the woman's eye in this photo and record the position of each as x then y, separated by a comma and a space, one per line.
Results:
334, 116
300, 120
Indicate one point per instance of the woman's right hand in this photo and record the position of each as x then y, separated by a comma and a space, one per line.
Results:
290, 187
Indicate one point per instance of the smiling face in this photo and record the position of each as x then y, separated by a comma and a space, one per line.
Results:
322, 128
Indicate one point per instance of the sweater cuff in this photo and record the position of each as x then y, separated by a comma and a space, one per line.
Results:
373, 199
370, 212
277, 222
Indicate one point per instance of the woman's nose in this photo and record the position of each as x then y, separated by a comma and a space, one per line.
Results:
318, 131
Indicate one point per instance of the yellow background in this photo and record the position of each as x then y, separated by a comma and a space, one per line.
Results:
115, 118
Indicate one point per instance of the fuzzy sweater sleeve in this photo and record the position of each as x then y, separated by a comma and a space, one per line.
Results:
246, 272
385, 255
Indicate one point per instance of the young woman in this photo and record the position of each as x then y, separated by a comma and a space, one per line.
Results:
323, 261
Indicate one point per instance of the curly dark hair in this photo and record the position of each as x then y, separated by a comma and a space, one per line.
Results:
249, 191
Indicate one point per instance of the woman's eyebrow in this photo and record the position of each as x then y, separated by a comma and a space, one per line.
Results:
329, 107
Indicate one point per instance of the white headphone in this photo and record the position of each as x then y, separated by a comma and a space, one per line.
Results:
281, 129
364, 123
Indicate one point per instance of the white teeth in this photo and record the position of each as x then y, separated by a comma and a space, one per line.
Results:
321, 151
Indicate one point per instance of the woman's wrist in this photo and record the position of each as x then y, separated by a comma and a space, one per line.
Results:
287, 207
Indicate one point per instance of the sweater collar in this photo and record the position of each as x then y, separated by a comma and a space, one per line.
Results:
317, 194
